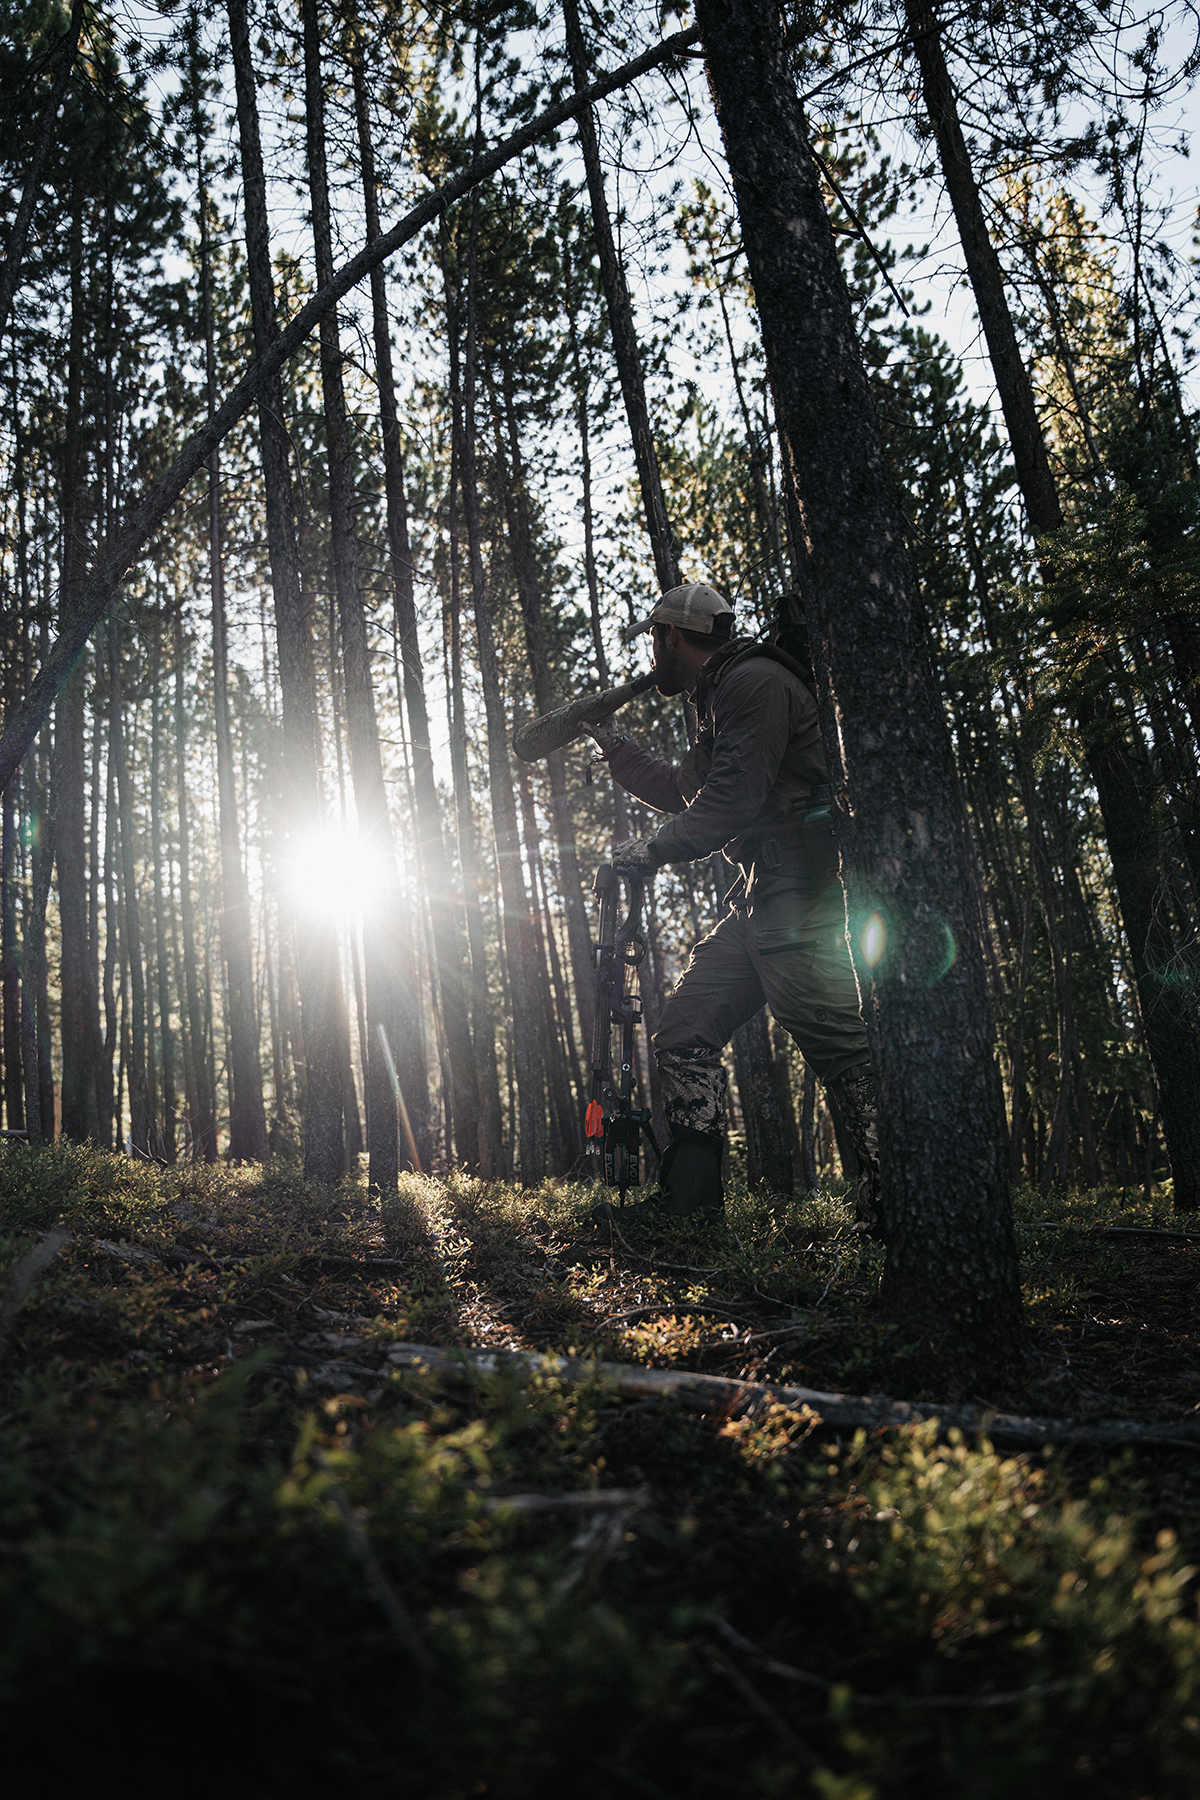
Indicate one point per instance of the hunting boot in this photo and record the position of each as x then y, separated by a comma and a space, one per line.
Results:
689, 1184
855, 1097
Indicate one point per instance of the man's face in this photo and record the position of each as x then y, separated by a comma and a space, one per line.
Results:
672, 674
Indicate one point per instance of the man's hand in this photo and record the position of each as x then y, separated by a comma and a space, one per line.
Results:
634, 853
608, 734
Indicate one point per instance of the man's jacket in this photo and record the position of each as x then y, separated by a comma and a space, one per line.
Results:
749, 777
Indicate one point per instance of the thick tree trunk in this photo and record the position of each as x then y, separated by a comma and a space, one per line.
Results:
247, 1116
951, 1265
393, 1044
318, 971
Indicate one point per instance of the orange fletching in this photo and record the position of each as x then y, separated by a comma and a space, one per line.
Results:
593, 1124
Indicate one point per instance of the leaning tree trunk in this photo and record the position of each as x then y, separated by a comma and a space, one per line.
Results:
1129, 826
317, 955
951, 1264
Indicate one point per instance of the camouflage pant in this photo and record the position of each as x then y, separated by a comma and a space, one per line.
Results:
790, 953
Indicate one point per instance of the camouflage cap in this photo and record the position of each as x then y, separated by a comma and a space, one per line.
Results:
694, 607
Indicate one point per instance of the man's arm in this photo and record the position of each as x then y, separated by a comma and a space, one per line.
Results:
752, 716
648, 778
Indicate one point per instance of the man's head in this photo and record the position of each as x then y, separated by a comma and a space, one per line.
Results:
686, 625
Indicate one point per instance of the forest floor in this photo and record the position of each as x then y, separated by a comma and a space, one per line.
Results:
243, 1554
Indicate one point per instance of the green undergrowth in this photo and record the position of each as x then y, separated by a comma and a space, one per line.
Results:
217, 1546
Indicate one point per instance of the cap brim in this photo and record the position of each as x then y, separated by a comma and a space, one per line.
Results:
632, 631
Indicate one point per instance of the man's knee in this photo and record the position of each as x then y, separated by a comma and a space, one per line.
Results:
693, 1084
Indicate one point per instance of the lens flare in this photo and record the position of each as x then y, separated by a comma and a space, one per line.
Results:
873, 942
336, 875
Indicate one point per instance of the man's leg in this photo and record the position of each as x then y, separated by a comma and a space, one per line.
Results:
798, 944
718, 991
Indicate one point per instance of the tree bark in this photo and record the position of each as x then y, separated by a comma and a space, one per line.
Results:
318, 971
203, 1122
247, 1115
166, 1131
139, 1118
521, 546
951, 1265
80, 1013
531, 1109
489, 1140
431, 843
768, 1153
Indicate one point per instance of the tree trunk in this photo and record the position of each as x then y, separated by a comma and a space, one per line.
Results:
247, 1116
139, 1116
532, 1124
520, 538
768, 1153
393, 1044
318, 971
431, 843
951, 1265
620, 313
489, 1144
204, 1120
79, 1003
166, 1132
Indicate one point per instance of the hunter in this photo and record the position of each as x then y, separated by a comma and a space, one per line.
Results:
754, 784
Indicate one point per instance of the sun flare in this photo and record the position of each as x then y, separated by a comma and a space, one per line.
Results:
336, 875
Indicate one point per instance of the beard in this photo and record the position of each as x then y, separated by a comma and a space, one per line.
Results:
670, 677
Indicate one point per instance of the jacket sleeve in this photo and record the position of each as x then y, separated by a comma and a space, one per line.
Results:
646, 777
752, 724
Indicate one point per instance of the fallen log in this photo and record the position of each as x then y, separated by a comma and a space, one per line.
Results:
1153, 1232
843, 1412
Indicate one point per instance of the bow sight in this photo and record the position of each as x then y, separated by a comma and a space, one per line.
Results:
614, 1125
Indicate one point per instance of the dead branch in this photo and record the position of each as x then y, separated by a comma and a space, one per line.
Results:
843, 1412
586, 1500
901, 1702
